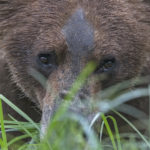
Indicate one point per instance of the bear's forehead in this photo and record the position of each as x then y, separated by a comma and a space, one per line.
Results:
62, 10
81, 25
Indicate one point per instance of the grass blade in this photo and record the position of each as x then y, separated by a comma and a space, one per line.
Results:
133, 127
4, 138
109, 131
19, 111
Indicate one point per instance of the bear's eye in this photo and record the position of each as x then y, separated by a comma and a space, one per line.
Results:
46, 63
44, 59
47, 60
106, 65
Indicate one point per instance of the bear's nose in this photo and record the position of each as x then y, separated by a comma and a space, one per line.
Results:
63, 94
82, 96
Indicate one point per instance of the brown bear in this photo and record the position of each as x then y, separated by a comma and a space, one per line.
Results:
53, 40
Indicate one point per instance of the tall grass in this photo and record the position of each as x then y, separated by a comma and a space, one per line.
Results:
71, 131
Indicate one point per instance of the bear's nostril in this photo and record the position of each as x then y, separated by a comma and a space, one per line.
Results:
63, 94
82, 96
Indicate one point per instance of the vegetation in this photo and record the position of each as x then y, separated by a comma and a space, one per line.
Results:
70, 131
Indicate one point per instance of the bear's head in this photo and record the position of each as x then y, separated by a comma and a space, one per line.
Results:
51, 41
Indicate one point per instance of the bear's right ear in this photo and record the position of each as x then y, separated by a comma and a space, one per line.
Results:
8, 8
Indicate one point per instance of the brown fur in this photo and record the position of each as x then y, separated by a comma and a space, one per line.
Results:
13, 93
29, 27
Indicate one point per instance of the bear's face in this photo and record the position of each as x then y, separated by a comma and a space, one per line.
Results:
57, 39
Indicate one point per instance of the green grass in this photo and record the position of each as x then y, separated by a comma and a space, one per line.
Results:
70, 131
3, 141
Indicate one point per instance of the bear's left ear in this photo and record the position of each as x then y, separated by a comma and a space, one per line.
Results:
146, 1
